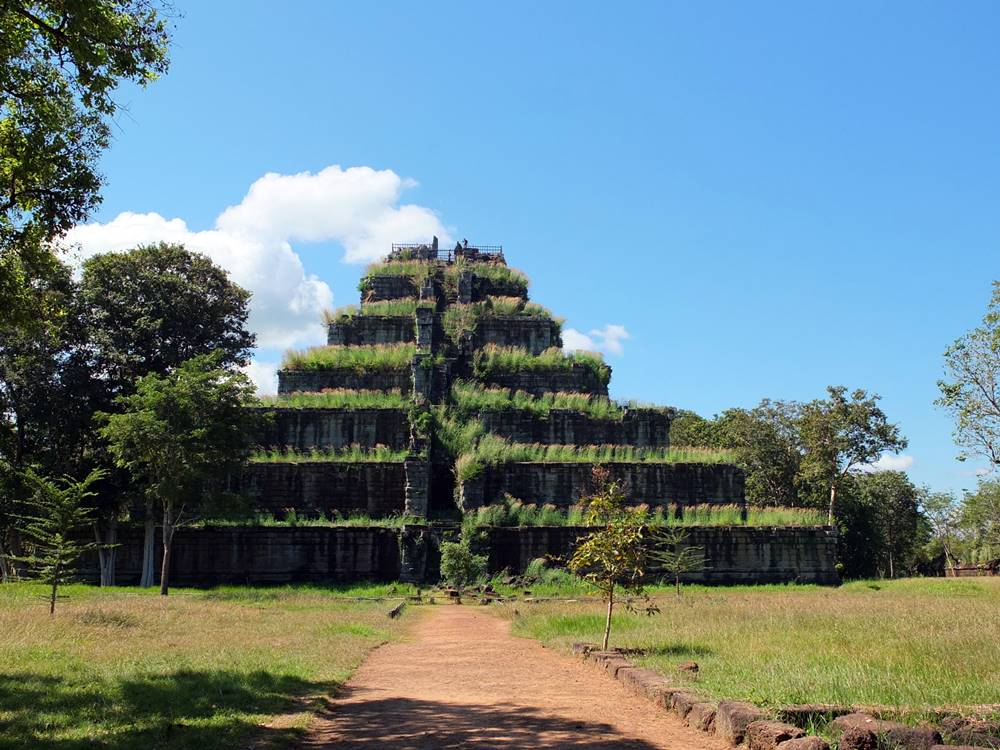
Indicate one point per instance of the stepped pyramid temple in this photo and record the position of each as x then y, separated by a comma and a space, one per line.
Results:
447, 392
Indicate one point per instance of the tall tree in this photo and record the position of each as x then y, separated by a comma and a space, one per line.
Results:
841, 433
971, 391
60, 64
181, 434
148, 311
943, 513
981, 519
892, 502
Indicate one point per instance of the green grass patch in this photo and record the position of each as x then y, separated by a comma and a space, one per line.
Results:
293, 519
500, 275
417, 270
470, 398
914, 644
387, 308
339, 398
494, 360
358, 358
492, 450
350, 454
125, 669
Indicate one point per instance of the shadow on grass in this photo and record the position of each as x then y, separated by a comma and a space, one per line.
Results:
178, 711
407, 724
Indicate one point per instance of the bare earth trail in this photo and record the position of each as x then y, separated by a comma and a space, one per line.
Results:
462, 680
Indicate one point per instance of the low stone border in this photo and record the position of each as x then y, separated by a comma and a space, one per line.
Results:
737, 722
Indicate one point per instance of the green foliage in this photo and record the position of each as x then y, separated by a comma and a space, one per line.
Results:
459, 319
839, 434
60, 66
615, 555
152, 308
491, 450
339, 398
688, 428
969, 394
53, 527
459, 566
470, 398
496, 360
674, 555
389, 308
510, 279
350, 454
357, 358
335, 519
417, 270
980, 519
180, 434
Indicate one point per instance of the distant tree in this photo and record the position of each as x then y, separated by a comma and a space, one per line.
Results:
53, 526
181, 434
460, 567
892, 502
690, 429
841, 433
148, 311
971, 392
674, 555
981, 519
943, 514
767, 445
613, 557
60, 64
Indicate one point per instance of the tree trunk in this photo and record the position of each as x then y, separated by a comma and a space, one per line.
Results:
148, 576
168, 538
4, 570
607, 624
55, 589
833, 500
107, 551
677, 583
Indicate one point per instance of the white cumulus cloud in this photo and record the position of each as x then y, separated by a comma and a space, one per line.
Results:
264, 375
607, 339
357, 207
888, 462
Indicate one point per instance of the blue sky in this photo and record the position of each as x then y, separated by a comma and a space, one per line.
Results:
768, 197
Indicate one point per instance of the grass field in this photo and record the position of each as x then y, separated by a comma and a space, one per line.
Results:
127, 669
914, 643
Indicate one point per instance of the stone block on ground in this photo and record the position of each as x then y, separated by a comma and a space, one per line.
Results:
765, 734
702, 716
582, 649
859, 731
643, 681
682, 702
732, 719
804, 743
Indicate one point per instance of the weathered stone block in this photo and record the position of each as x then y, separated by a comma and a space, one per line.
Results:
702, 716
767, 735
682, 702
859, 731
732, 719
804, 743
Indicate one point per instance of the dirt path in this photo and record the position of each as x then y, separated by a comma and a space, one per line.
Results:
462, 680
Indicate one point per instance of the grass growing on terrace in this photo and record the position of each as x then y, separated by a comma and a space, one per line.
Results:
908, 643
125, 669
471, 398
491, 450
418, 270
358, 358
350, 454
387, 308
458, 319
294, 519
513, 512
339, 398
498, 360
499, 275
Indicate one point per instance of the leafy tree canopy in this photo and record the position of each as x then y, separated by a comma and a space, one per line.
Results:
60, 64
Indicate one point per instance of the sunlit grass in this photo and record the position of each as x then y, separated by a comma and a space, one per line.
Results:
471, 398
916, 643
348, 454
125, 669
358, 358
339, 398
494, 360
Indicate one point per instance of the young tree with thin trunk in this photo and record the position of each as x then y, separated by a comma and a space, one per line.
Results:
53, 528
675, 556
613, 557
840, 434
181, 434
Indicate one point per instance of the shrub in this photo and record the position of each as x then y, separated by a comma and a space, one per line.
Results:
459, 566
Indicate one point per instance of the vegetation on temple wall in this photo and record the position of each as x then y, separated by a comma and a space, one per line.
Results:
416, 270
513, 512
494, 360
461, 319
492, 450
292, 518
470, 398
357, 358
340, 398
405, 307
349, 454
499, 275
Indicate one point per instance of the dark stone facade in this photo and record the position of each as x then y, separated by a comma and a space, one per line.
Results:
304, 429
536, 334
642, 428
328, 487
311, 381
733, 555
578, 379
370, 330
566, 483
483, 287
389, 287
